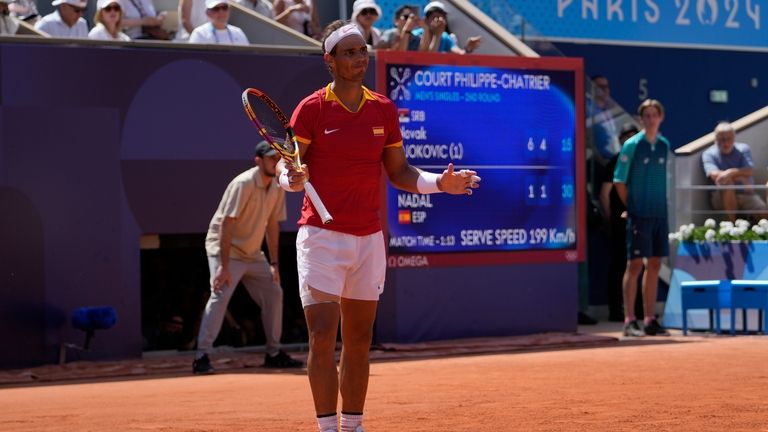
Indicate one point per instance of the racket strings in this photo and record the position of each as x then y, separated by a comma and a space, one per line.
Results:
267, 118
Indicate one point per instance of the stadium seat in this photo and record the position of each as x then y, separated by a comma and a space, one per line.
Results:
749, 294
705, 294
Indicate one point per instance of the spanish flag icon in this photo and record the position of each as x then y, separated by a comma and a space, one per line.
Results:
378, 131
404, 216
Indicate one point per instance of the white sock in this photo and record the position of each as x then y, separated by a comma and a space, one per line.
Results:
328, 423
350, 422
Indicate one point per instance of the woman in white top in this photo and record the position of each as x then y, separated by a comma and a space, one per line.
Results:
218, 31
301, 16
191, 16
365, 13
109, 21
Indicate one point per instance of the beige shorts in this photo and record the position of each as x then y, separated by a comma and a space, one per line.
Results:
746, 201
340, 265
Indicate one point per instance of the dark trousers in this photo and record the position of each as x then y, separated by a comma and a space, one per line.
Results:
618, 255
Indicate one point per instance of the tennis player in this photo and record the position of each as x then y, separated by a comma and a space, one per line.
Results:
346, 133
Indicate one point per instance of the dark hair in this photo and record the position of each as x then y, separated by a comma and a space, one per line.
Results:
400, 10
330, 28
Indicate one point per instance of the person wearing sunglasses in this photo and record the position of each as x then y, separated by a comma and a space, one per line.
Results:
66, 21
218, 30
109, 21
398, 37
442, 40
365, 13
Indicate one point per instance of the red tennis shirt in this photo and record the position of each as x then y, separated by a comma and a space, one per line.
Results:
344, 157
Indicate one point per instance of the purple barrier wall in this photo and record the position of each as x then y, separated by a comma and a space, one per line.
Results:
102, 145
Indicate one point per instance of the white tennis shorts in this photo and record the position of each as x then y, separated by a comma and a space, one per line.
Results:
342, 265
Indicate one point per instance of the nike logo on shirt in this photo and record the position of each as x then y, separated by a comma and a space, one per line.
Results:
330, 131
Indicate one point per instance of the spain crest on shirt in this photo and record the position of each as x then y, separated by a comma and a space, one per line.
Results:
378, 131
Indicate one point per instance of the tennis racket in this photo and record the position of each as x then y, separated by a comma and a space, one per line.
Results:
276, 129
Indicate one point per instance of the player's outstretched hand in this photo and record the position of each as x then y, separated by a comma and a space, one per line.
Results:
459, 182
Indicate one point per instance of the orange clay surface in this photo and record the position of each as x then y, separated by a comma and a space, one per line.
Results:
696, 383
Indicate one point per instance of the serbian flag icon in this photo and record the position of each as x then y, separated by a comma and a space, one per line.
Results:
404, 114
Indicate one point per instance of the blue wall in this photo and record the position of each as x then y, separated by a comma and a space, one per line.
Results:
681, 79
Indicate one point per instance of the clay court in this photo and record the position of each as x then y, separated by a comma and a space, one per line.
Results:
541, 383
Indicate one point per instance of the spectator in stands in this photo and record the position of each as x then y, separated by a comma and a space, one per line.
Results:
109, 21
251, 208
262, 7
604, 130
640, 179
218, 30
441, 39
398, 37
301, 16
613, 209
729, 163
191, 16
142, 21
24, 10
67, 21
8, 24
364, 14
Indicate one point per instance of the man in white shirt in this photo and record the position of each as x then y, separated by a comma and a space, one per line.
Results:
67, 21
217, 30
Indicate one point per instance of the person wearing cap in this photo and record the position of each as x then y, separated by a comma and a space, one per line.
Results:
109, 21
218, 30
441, 39
66, 21
251, 208
365, 13
8, 24
347, 134
301, 16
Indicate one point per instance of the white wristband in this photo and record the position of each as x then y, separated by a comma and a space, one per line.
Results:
427, 182
284, 182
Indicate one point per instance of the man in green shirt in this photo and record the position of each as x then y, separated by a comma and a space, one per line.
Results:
640, 179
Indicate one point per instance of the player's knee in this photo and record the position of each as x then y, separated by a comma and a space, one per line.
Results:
634, 267
357, 341
322, 338
653, 264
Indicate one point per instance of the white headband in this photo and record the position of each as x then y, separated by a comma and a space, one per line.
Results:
341, 33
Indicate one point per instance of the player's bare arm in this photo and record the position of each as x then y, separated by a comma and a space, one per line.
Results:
406, 177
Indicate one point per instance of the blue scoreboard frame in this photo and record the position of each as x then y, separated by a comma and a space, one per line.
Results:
519, 122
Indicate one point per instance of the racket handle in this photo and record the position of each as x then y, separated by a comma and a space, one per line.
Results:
319, 206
